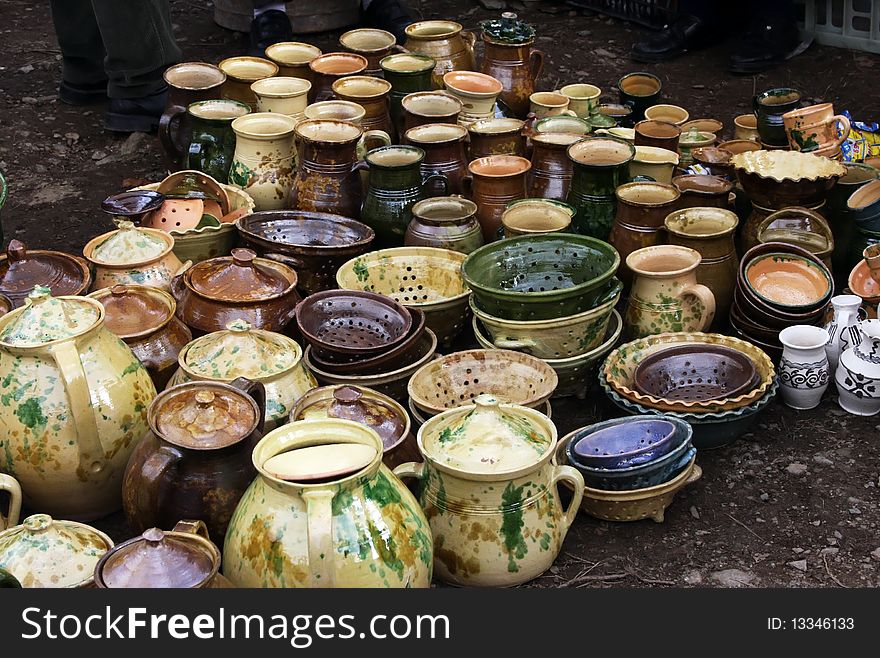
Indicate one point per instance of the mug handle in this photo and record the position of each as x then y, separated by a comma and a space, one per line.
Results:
569, 113
572, 476
470, 40
10, 484
153, 469
441, 178
257, 391
536, 63
839, 119
166, 121
192, 527
506, 344
379, 135
706, 298
319, 511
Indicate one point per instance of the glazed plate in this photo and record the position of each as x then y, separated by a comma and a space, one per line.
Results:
788, 281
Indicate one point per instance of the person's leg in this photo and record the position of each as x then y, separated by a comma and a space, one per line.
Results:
83, 80
270, 25
771, 38
389, 15
697, 24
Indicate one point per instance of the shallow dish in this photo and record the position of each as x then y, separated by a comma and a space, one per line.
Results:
863, 284
788, 281
624, 442
690, 373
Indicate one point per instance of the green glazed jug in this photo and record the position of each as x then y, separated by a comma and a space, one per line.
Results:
213, 141
601, 165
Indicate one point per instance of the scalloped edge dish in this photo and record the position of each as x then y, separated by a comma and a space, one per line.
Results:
765, 164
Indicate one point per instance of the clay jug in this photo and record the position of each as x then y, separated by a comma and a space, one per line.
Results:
500, 136
446, 42
330, 67
212, 140
508, 56
495, 181
264, 164
446, 223
372, 44
843, 330
858, 372
803, 368
551, 172
444, 147
407, 73
372, 95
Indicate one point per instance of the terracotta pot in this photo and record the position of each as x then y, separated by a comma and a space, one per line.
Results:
372, 44
551, 172
769, 107
214, 292
196, 459
241, 73
336, 110
212, 144
496, 137
450, 46
516, 66
145, 319
659, 134
21, 269
327, 179
292, 58
815, 128
703, 191
407, 74
423, 107
330, 67
639, 91
444, 146
372, 95
583, 99
446, 223
476, 91
283, 95
264, 164
496, 181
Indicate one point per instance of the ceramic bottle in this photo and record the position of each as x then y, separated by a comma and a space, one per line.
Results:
858, 372
509, 57
803, 370
843, 330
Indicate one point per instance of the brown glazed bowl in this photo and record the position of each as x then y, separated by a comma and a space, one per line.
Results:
769, 317
778, 179
751, 328
21, 269
703, 191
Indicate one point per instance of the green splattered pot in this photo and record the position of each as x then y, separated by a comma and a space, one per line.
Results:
73, 405
359, 529
490, 493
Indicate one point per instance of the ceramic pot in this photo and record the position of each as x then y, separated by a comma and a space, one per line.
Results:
639, 91
372, 44
583, 99
188, 82
21, 269
292, 58
638, 222
601, 165
496, 181
654, 163
395, 185
212, 142
241, 73
446, 223
336, 111
372, 95
858, 372
746, 127
330, 67
710, 231
444, 147
666, 113
840, 217
536, 217
450, 46
283, 95
424, 107
132, 255
196, 459
475, 483
407, 73
476, 91
68, 445
552, 170
264, 164
665, 295
769, 107
815, 128
693, 139
864, 205
803, 370
516, 66
144, 318
11, 486
801, 227
562, 124
48, 553
503, 136
327, 179
658, 134
609, 115
843, 330
307, 532
748, 234
181, 558
544, 104
214, 292
699, 190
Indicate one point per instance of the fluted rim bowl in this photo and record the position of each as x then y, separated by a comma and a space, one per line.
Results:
777, 179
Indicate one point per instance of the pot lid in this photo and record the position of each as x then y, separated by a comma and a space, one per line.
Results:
508, 29
45, 318
351, 403
23, 269
241, 351
322, 462
128, 244
239, 278
158, 559
44, 552
132, 311
203, 416
487, 437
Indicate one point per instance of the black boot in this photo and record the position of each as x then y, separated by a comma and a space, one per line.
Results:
130, 115
764, 46
89, 94
686, 33
268, 28
389, 15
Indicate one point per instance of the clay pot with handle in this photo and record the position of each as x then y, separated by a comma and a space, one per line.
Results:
516, 66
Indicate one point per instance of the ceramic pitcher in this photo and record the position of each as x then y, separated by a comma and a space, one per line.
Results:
858, 372
843, 330
446, 42
372, 95
327, 179
407, 73
11, 486
517, 65
496, 181
551, 172
283, 95
803, 369
665, 295
212, 143
77, 405
445, 153
264, 163
357, 526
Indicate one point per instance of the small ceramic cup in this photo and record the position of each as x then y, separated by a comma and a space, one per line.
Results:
329, 68
659, 134
545, 104
583, 99
746, 127
670, 113
283, 95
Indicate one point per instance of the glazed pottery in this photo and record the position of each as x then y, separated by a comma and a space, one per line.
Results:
451, 47
735, 146
444, 146
396, 184
658, 134
543, 104
407, 73
371, 43
11, 486
623, 442
196, 459
655, 163
713, 126
746, 127
601, 164
313, 244
241, 73
609, 115
145, 319
242, 286
802, 227
132, 255
583, 99
212, 143
695, 374
517, 64
48, 553
713, 160
673, 114
501, 136
423, 107
184, 557
337, 110
769, 107
699, 190
327, 179
497, 180
840, 217
562, 123
282, 95
264, 160
536, 217
858, 372
477, 93
803, 370
748, 234
481, 462
665, 295
444, 222
815, 128
691, 140
359, 527
787, 281
639, 91
292, 58
188, 82
552, 170
77, 409
266, 357
21, 269
372, 95
864, 206
330, 67
778, 179
638, 222
710, 231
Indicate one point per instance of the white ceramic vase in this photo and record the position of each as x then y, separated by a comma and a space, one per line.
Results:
843, 330
858, 373
803, 370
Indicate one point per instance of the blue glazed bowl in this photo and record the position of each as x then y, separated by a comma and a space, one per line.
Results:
623, 442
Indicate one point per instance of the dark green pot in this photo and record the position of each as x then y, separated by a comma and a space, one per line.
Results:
407, 73
7, 580
213, 142
841, 218
769, 107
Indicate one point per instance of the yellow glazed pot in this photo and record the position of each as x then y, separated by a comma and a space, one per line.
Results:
264, 161
655, 163
450, 46
282, 95
74, 405
489, 490
359, 528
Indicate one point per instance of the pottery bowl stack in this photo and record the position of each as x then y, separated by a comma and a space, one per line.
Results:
779, 285
716, 383
633, 466
864, 279
550, 296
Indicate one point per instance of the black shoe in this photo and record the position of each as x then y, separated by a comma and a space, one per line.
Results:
765, 46
135, 115
389, 15
686, 33
268, 28
82, 94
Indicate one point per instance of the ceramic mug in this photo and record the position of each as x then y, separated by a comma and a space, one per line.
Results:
769, 107
283, 95
639, 91
292, 58
213, 140
336, 111
583, 99
660, 134
669, 113
241, 73
423, 107
371, 43
746, 127
10, 485
815, 128
545, 104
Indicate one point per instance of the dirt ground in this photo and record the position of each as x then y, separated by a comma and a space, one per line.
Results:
792, 504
